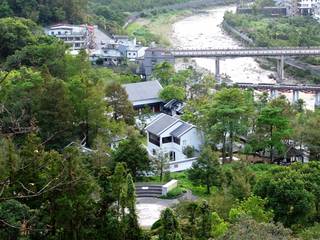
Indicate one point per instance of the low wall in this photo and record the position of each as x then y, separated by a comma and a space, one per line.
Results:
181, 165
169, 186
266, 11
241, 36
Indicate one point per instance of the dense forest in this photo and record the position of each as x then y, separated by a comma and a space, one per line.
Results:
136, 5
46, 12
62, 178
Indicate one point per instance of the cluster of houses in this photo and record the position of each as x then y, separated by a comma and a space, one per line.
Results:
286, 8
102, 48
166, 132
301, 7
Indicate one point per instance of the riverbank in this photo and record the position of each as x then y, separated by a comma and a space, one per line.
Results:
186, 5
157, 28
261, 31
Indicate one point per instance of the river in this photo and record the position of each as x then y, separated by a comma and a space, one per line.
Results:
204, 31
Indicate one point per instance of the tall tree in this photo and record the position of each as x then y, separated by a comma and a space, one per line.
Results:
55, 115
118, 183
164, 72
311, 133
131, 152
273, 125
133, 231
227, 117
205, 222
117, 99
170, 229
206, 170
161, 164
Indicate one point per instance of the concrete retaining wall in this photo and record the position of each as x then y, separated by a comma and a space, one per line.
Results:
237, 34
169, 186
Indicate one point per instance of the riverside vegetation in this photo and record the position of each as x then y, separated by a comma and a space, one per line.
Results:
297, 31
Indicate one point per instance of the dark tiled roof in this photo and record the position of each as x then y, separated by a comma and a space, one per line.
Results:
143, 90
181, 129
161, 123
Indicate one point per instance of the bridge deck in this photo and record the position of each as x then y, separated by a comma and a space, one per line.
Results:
265, 86
246, 52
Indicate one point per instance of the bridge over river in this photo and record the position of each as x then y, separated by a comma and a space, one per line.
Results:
156, 55
275, 88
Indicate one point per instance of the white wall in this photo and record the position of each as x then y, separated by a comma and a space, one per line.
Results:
181, 165
194, 138
169, 186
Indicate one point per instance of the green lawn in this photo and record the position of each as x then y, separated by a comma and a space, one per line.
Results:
184, 183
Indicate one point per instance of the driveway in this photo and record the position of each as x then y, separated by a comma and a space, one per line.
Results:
149, 209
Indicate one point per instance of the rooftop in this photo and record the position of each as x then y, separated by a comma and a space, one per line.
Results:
181, 129
143, 90
161, 123
164, 121
73, 28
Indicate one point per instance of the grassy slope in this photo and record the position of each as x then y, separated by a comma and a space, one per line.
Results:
156, 28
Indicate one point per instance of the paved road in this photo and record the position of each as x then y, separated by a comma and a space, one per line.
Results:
149, 209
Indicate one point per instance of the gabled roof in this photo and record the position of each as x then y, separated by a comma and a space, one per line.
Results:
181, 129
164, 121
143, 90
161, 123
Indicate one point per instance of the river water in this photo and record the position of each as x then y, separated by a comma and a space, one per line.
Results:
204, 31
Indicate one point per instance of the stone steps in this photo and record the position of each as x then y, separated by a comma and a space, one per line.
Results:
148, 191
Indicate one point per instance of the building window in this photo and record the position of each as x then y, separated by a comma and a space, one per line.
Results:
154, 139
52, 33
167, 140
172, 156
129, 54
77, 45
59, 33
184, 142
154, 152
176, 140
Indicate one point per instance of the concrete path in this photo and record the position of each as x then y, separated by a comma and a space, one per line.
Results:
149, 209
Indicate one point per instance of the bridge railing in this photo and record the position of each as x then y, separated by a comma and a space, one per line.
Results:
243, 49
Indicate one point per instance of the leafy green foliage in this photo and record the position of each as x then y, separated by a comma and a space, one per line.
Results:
277, 32
117, 100
170, 229
16, 34
133, 154
172, 92
249, 229
206, 170
287, 195
253, 207
46, 12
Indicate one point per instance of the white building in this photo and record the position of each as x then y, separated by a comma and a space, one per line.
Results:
305, 6
171, 136
78, 37
316, 11
135, 52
